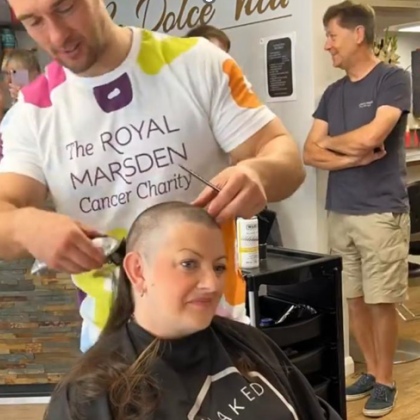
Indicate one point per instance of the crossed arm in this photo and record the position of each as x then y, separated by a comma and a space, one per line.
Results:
355, 148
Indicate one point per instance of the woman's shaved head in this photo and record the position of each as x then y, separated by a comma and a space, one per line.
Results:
150, 226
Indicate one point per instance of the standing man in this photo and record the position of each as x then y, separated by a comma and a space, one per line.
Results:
358, 135
104, 130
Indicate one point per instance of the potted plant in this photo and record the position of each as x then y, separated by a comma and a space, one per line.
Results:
386, 49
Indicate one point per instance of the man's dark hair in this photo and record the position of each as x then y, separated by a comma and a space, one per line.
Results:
350, 15
210, 32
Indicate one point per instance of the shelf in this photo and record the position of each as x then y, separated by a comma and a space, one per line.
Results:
291, 333
282, 263
412, 155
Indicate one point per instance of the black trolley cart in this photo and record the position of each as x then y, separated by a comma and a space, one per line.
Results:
315, 345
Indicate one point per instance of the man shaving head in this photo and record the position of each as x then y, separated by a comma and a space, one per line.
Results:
109, 85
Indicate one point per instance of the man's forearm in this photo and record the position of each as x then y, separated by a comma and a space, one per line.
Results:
354, 143
280, 171
324, 159
10, 248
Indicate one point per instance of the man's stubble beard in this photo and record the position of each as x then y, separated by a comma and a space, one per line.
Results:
91, 58
95, 49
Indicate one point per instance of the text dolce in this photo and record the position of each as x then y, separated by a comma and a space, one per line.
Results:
188, 16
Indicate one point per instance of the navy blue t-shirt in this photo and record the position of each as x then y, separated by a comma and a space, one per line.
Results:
346, 106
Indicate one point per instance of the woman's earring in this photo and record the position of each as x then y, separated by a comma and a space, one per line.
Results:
142, 293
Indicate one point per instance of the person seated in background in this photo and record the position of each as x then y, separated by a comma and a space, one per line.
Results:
185, 363
16, 60
214, 35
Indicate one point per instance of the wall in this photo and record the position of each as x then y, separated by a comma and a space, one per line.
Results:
25, 41
4, 12
297, 216
407, 42
39, 326
386, 17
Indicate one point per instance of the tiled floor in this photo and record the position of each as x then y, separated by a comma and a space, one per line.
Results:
407, 375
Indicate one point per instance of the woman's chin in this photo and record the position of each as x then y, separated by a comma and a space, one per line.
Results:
199, 323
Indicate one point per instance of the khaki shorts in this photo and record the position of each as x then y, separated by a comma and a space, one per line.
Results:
374, 249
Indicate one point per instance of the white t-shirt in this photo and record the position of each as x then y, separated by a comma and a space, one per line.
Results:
108, 147
3, 125
6, 119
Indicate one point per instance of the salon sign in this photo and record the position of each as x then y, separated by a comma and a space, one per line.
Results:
179, 16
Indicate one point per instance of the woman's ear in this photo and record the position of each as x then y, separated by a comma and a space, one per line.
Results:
134, 267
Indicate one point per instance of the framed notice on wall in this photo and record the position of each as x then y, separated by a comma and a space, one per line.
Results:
280, 68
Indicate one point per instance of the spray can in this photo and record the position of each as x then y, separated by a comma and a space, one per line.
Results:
247, 242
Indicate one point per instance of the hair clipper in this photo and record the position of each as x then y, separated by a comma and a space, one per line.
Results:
114, 251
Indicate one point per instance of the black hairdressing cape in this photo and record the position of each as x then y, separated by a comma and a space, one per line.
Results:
198, 380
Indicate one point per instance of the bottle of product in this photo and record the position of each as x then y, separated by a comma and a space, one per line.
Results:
247, 242
8, 40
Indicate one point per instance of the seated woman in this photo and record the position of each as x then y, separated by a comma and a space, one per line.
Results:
164, 355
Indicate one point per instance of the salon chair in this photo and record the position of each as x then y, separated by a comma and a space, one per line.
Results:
408, 350
413, 268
